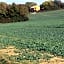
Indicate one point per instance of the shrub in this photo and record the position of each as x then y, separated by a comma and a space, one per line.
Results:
13, 13
49, 5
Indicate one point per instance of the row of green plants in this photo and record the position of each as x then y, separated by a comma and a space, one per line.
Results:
52, 40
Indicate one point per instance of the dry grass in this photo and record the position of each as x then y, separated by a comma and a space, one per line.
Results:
8, 51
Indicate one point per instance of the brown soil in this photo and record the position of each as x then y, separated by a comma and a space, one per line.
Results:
55, 60
11, 51
8, 51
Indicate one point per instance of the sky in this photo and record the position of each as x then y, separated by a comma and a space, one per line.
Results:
23, 1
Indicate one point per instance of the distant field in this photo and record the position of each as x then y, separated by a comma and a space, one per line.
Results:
44, 32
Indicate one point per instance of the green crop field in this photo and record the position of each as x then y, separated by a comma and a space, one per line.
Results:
44, 32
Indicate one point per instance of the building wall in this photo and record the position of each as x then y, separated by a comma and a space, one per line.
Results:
36, 8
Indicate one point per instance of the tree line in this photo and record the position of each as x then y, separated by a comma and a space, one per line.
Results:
47, 5
19, 12
52, 5
13, 12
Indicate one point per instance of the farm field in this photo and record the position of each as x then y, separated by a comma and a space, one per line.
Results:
30, 42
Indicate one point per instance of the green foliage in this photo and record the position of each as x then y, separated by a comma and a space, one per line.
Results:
44, 32
29, 4
28, 55
23, 9
13, 13
58, 3
49, 5
62, 5
47, 57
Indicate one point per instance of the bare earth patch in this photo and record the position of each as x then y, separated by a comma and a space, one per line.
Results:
55, 60
9, 51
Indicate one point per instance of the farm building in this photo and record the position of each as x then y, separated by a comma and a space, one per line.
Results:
35, 8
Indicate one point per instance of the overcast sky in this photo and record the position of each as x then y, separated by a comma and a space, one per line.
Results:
23, 1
